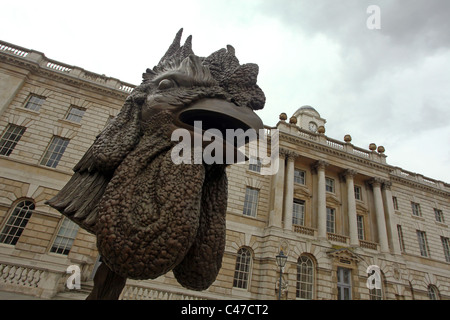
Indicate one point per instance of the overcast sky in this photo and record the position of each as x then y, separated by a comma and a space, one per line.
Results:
390, 86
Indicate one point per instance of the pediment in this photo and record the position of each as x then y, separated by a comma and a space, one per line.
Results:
344, 254
331, 198
302, 191
361, 207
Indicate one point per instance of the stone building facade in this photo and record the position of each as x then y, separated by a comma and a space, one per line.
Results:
333, 208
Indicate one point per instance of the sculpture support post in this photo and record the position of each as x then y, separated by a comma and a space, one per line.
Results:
108, 285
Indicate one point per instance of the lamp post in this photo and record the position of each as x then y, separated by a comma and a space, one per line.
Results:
281, 262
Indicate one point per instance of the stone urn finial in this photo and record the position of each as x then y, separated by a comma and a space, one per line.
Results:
293, 120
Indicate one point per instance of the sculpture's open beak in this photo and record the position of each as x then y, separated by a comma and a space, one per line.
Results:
226, 117
220, 114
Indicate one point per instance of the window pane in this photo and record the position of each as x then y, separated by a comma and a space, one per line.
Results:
298, 213
329, 185
305, 272
423, 245
54, 152
330, 220
360, 222
242, 269
34, 103
10, 139
66, 235
75, 114
299, 176
446, 247
250, 202
17, 222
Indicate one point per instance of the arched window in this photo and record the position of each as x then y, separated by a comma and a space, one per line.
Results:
16, 222
242, 269
305, 277
433, 292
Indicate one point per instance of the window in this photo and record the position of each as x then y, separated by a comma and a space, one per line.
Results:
242, 269
416, 209
54, 152
305, 278
395, 202
439, 215
331, 220
400, 238
423, 244
299, 176
10, 139
446, 246
75, 114
376, 294
360, 225
251, 202
254, 164
433, 292
34, 102
17, 222
298, 212
344, 284
66, 235
329, 185
358, 193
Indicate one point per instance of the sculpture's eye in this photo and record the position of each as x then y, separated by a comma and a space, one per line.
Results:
166, 84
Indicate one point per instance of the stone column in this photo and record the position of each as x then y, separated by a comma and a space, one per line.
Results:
389, 210
379, 212
351, 203
289, 191
321, 199
277, 188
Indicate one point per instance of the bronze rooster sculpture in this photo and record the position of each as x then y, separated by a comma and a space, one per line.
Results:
149, 214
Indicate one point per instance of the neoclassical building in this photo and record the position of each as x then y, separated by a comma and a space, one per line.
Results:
334, 209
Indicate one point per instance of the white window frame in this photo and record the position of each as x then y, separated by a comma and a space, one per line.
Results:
423, 243
416, 211
343, 287
305, 278
54, 151
63, 242
298, 212
17, 221
299, 176
329, 185
243, 268
251, 202
75, 114
331, 220
360, 226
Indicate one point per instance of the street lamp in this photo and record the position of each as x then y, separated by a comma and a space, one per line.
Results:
281, 262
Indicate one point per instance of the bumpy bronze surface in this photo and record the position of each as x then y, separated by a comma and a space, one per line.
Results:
150, 215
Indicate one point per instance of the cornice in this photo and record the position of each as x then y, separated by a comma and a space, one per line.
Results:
332, 151
418, 185
37, 69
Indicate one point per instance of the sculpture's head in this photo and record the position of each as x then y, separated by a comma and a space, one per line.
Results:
215, 90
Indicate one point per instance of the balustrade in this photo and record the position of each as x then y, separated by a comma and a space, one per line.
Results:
134, 292
20, 275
